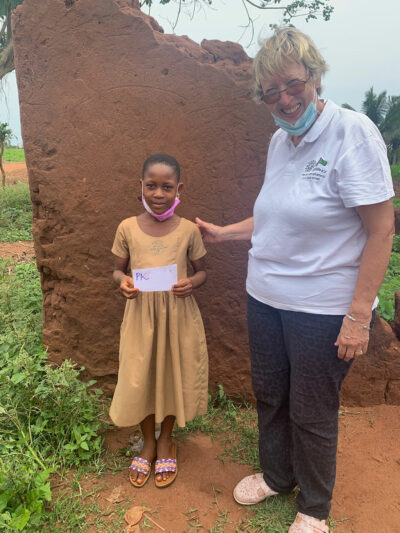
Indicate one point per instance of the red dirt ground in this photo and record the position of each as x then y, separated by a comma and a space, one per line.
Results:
366, 497
17, 249
15, 172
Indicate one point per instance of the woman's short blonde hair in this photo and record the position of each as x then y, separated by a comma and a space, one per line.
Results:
286, 45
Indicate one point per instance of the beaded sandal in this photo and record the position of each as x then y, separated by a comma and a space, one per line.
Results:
167, 465
143, 467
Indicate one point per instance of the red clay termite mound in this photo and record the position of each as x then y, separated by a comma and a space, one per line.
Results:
102, 87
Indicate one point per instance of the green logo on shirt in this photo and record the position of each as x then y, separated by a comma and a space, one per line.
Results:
322, 162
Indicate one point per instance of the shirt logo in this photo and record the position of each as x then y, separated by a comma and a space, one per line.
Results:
310, 165
315, 170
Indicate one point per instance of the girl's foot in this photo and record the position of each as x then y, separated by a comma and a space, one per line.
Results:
148, 453
166, 458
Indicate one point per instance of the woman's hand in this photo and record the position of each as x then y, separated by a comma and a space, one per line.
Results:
183, 288
209, 232
353, 339
127, 288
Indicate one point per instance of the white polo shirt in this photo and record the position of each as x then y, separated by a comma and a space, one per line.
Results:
308, 238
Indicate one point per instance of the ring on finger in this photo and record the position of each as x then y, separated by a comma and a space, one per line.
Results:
359, 352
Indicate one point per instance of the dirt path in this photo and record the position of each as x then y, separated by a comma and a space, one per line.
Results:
15, 172
366, 497
17, 249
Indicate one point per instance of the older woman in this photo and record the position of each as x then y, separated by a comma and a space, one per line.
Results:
321, 239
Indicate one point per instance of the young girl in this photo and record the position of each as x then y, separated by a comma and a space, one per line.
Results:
163, 372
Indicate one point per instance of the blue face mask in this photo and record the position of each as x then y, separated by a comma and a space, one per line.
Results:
302, 124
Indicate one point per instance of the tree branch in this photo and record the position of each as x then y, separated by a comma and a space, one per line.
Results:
6, 59
3, 28
250, 23
177, 16
264, 7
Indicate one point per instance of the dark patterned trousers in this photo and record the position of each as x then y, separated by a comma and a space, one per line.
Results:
296, 378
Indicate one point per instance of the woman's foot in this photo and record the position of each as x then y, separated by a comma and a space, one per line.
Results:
139, 477
252, 489
166, 462
308, 524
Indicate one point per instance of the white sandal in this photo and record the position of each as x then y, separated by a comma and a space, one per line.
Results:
307, 524
252, 490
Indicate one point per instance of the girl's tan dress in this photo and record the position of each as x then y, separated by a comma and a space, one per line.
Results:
163, 362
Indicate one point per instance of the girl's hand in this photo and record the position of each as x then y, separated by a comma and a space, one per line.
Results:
183, 288
353, 339
209, 232
127, 288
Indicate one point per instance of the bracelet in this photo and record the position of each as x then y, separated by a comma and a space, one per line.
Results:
355, 320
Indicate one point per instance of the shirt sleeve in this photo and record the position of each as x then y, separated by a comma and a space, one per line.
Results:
120, 247
196, 247
364, 175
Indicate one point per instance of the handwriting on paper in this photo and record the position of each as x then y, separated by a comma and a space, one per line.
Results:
155, 279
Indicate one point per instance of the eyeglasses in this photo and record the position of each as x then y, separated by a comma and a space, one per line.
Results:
293, 87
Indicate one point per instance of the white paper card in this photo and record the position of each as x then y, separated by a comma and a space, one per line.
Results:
155, 279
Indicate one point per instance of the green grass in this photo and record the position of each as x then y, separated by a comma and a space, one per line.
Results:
395, 171
15, 213
14, 154
235, 426
49, 419
396, 202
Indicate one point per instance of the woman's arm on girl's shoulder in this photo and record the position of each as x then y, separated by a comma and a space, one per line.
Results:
120, 277
240, 231
185, 286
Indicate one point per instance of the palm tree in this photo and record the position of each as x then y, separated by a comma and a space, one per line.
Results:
348, 106
390, 127
384, 111
375, 106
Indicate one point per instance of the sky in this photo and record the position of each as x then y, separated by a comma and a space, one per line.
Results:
360, 44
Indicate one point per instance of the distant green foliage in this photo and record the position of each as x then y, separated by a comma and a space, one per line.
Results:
14, 154
48, 417
395, 171
15, 213
396, 202
391, 283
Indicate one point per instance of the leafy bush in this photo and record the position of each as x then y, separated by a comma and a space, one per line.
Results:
390, 284
14, 154
48, 417
395, 171
15, 213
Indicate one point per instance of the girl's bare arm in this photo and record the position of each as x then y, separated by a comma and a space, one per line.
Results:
185, 286
124, 281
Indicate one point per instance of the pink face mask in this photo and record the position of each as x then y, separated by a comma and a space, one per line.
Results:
167, 214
